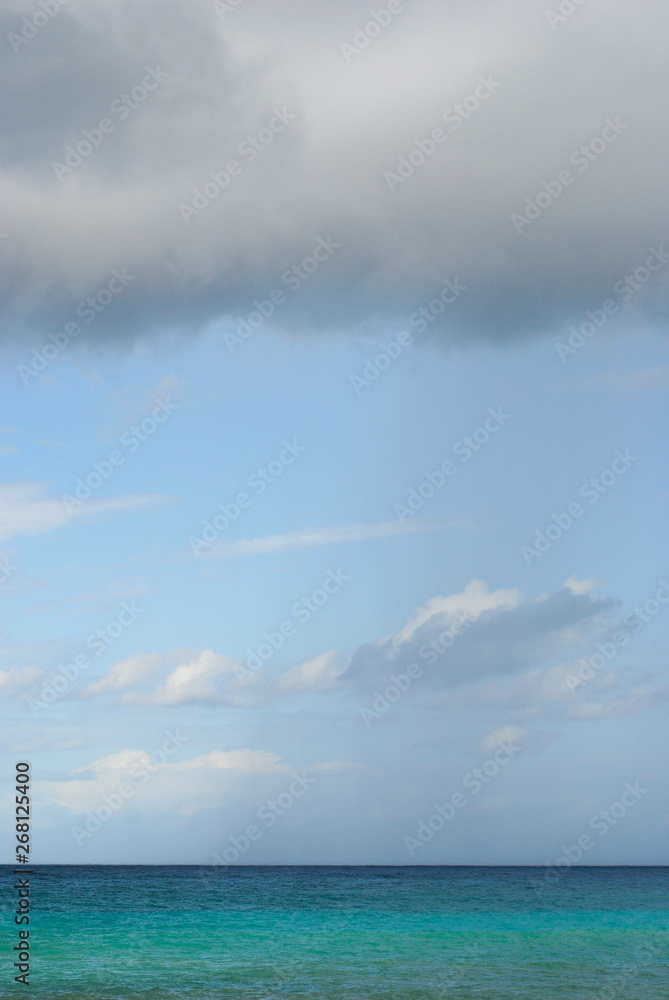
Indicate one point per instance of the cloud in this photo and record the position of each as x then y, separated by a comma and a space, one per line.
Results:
506, 734
633, 702
133, 408
160, 786
101, 599
113, 763
203, 677
323, 174
320, 673
25, 509
582, 586
18, 678
307, 538
126, 674
473, 601
649, 378
469, 636
511, 656
246, 761
42, 653
195, 681
501, 653
530, 692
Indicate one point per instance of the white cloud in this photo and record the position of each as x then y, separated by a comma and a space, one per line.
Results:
320, 673
472, 602
582, 586
187, 786
505, 734
114, 762
197, 680
17, 678
503, 658
307, 538
246, 761
206, 677
126, 674
25, 509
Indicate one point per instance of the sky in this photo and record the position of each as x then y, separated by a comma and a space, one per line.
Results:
334, 378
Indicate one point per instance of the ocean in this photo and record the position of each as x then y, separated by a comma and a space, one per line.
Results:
342, 933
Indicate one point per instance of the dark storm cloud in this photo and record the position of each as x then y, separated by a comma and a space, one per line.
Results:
341, 125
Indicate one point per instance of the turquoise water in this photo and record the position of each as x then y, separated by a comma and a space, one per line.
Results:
245, 933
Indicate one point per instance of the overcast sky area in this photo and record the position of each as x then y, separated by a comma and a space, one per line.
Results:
334, 376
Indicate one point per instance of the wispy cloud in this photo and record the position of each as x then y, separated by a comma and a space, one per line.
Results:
25, 509
17, 678
309, 538
95, 601
649, 378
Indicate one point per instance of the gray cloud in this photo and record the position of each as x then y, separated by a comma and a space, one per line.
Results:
323, 174
499, 641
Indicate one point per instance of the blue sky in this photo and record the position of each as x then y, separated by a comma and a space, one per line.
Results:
262, 659
362, 454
